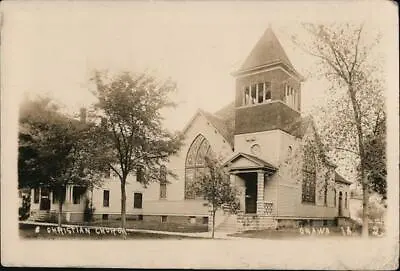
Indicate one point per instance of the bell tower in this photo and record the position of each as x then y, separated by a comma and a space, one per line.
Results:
268, 89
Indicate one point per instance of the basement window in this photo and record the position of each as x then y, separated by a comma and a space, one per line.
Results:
104, 217
192, 220
163, 219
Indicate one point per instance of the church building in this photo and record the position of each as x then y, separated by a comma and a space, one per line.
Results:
272, 153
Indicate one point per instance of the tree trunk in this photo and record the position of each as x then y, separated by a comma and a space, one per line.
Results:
365, 219
213, 222
123, 206
364, 180
60, 204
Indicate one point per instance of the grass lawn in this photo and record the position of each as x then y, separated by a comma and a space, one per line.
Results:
27, 231
149, 225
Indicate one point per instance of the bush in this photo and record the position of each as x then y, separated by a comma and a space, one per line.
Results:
88, 212
23, 211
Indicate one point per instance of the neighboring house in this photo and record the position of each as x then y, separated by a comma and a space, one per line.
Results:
256, 134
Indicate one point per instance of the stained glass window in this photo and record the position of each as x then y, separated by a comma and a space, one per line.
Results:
195, 163
309, 174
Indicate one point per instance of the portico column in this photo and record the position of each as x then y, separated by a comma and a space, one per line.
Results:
232, 179
260, 193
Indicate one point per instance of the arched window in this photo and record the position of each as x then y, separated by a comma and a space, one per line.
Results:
309, 174
195, 163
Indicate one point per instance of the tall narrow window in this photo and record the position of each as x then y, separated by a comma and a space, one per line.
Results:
246, 96
260, 93
345, 200
253, 94
267, 91
106, 198
309, 174
137, 200
36, 195
77, 193
163, 182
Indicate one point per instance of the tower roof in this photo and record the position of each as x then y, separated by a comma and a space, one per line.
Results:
268, 50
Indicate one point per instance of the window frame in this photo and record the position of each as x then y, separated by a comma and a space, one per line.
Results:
309, 183
257, 93
106, 191
192, 166
137, 204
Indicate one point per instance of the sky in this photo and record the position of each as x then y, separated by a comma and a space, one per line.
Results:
52, 49
55, 48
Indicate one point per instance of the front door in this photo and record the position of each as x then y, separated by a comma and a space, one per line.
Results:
45, 199
251, 196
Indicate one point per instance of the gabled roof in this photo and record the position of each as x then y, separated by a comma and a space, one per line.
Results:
340, 179
220, 125
259, 162
268, 50
223, 125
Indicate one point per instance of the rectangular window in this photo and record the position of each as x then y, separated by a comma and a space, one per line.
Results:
205, 219
260, 93
163, 190
163, 219
106, 198
267, 91
137, 200
246, 96
36, 195
253, 96
104, 217
77, 193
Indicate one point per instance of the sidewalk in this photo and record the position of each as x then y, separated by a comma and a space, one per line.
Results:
217, 235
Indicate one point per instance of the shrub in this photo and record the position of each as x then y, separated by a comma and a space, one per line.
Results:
89, 211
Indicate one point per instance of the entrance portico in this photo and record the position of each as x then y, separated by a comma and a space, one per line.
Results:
249, 173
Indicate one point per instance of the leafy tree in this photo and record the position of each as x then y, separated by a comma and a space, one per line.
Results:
131, 132
346, 59
375, 165
215, 186
55, 150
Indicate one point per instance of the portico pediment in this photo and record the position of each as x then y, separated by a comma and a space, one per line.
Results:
243, 161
